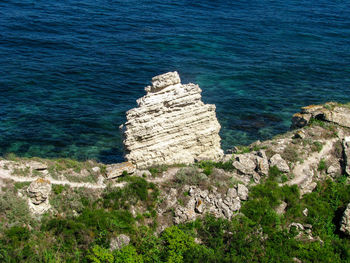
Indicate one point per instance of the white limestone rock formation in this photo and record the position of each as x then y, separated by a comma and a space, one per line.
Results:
38, 193
171, 125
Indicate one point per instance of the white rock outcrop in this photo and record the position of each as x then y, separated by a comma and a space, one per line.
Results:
38, 193
171, 125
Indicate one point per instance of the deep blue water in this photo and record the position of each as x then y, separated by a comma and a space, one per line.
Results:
70, 69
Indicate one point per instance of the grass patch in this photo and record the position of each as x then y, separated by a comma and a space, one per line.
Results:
157, 170
316, 146
322, 165
21, 185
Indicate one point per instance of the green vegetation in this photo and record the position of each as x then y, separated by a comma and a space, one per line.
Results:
158, 170
291, 154
316, 146
257, 234
317, 122
208, 166
322, 165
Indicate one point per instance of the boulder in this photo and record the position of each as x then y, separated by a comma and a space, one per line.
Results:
300, 134
116, 170
262, 164
345, 223
38, 193
334, 169
231, 193
242, 192
171, 125
199, 206
119, 242
244, 163
300, 120
281, 164
281, 208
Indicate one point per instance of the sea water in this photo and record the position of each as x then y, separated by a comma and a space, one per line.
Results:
69, 70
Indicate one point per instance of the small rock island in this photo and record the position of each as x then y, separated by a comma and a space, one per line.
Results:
171, 125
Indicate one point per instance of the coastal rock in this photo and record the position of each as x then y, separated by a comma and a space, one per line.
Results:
281, 164
300, 120
244, 163
171, 125
346, 150
345, 223
339, 115
116, 170
330, 112
38, 193
262, 164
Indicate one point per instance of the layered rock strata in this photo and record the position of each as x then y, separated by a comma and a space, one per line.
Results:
38, 193
171, 125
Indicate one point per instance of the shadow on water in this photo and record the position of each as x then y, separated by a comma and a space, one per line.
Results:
113, 155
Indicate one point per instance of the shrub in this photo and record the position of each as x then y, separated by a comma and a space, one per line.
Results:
317, 122
57, 188
189, 176
322, 165
291, 154
274, 172
316, 146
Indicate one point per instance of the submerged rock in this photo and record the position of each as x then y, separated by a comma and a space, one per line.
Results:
171, 125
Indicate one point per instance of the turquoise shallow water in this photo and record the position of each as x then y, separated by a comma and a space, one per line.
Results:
70, 69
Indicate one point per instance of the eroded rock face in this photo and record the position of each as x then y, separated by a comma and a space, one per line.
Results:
38, 193
331, 112
171, 125
345, 224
